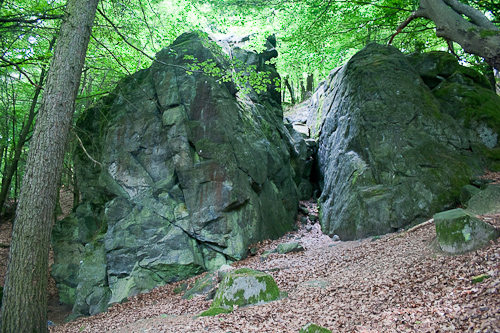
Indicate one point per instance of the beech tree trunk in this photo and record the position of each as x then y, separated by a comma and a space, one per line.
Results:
477, 35
24, 306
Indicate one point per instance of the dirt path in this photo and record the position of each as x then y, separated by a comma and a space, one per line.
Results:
391, 284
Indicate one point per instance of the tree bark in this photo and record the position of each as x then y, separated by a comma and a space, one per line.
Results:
290, 89
23, 137
478, 36
24, 306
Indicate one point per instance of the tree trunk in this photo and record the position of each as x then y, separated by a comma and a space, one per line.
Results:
310, 83
290, 89
24, 306
11, 170
476, 35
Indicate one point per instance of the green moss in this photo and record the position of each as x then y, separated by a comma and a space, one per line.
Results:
245, 287
213, 311
472, 103
313, 328
488, 33
180, 288
480, 278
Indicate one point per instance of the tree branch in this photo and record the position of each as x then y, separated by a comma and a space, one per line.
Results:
414, 15
85, 150
139, 50
34, 20
475, 15
21, 71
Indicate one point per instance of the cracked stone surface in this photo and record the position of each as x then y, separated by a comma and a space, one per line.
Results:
399, 135
192, 174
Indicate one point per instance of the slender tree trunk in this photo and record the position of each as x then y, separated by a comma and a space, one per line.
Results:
310, 83
24, 306
11, 170
302, 91
290, 89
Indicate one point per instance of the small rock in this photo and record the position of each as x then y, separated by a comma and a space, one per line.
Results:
303, 210
244, 287
466, 193
459, 231
303, 220
311, 143
308, 228
335, 238
223, 271
290, 247
253, 250
313, 217
211, 294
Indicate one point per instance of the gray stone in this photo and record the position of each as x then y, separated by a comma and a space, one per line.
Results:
202, 286
244, 287
335, 238
486, 201
459, 231
303, 210
466, 193
193, 172
223, 271
391, 150
290, 247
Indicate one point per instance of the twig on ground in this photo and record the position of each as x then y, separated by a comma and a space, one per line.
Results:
412, 229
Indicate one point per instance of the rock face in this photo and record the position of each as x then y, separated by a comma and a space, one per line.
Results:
191, 174
399, 135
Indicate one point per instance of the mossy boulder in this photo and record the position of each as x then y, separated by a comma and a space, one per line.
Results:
191, 173
244, 287
399, 136
459, 231
202, 286
313, 328
466, 193
486, 201
290, 247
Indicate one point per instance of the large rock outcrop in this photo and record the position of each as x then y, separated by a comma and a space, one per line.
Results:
399, 135
191, 173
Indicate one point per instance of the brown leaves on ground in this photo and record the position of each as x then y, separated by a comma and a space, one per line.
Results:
389, 284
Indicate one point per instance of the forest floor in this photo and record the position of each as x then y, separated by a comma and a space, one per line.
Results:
399, 282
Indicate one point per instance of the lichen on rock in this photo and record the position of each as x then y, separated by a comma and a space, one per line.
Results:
459, 231
244, 287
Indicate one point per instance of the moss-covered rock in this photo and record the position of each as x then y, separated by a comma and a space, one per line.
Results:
399, 136
466, 193
459, 231
244, 287
191, 174
313, 328
289, 247
486, 201
202, 286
